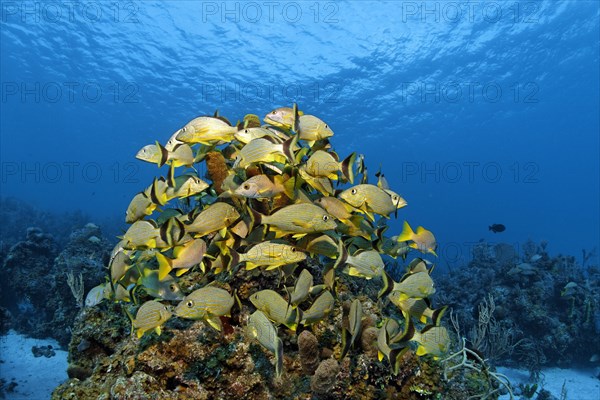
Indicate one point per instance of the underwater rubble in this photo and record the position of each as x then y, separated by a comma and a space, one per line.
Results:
264, 281
534, 310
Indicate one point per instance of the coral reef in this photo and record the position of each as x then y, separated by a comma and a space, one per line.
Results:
35, 290
267, 283
537, 309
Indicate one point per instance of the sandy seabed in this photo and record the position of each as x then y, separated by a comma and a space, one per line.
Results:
35, 377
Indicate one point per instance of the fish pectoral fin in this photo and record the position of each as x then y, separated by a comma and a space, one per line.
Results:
182, 271
158, 330
301, 224
215, 322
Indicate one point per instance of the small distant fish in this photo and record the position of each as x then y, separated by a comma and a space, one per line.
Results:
261, 329
497, 228
535, 257
151, 315
423, 240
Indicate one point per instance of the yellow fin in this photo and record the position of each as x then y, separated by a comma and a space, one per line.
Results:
164, 266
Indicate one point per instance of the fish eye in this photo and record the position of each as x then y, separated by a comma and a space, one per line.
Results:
245, 130
326, 127
293, 249
190, 303
325, 217
172, 287
353, 191
246, 186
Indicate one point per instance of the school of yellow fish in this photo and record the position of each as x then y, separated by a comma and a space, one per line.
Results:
271, 200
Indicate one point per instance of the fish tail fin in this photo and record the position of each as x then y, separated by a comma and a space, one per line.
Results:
407, 233
289, 188
234, 259
171, 176
396, 357
288, 148
255, 218
164, 154
346, 342
132, 319
342, 256
408, 333
165, 265
279, 358
388, 285
329, 277
438, 314
296, 118
347, 167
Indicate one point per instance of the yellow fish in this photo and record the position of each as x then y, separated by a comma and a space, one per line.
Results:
323, 164
265, 151
311, 129
297, 219
283, 117
261, 329
151, 315
269, 254
207, 303
369, 198
180, 154
418, 286
365, 263
320, 309
207, 130
261, 187
184, 258
433, 340
141, 234
140, 206
423, 240
276, 308
215, 217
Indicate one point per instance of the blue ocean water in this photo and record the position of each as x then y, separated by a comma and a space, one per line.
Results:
477, 112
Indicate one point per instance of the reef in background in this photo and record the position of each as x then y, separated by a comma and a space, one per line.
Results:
43, 287
534, 310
